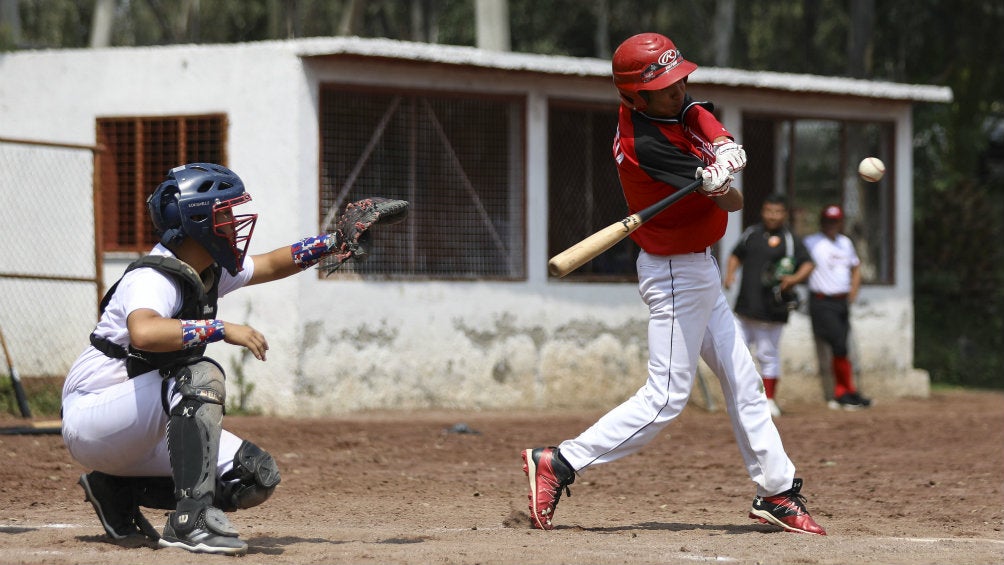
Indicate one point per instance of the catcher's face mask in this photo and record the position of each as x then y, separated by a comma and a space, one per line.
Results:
236, 229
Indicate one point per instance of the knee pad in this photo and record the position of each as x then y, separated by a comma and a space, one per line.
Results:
193, 431
250, 482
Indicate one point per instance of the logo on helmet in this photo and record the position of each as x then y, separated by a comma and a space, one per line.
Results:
669, 57
666, 62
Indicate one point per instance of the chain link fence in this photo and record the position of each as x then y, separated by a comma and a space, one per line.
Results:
50, 272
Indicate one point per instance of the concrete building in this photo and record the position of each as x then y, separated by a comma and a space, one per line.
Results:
506, 159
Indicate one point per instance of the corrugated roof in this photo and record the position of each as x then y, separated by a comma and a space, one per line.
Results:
591, 67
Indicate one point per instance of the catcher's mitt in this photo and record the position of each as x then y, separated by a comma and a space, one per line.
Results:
351, 229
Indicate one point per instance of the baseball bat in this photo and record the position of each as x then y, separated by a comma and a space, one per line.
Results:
591, 247
15, 380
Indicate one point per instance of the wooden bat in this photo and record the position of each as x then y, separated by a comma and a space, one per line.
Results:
15, 380
591, 247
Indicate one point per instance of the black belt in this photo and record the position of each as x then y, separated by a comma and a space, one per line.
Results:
135, 365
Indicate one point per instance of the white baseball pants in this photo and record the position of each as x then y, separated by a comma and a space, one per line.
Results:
689, 317
122, 430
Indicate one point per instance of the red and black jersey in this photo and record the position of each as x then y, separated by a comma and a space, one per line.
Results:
655, 157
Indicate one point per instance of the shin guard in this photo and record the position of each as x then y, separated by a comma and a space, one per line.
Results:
193, 437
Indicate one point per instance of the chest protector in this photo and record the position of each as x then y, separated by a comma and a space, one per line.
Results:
196, 304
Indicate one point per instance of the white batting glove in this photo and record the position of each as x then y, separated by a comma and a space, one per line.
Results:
730, 154
716, 180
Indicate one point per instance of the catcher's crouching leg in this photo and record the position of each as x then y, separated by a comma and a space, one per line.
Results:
193, 440
250, 482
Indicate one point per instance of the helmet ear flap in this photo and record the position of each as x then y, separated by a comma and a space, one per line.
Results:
165, 213
169, 212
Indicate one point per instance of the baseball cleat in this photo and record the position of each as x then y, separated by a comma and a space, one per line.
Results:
212, 533
114, 501
853, 401
787, 511
549, 474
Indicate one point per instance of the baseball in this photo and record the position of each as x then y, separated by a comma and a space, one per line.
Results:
871, 169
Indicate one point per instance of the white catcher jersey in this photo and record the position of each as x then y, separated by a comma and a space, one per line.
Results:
118, 425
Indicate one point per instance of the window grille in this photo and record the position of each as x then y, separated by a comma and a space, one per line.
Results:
813, 162
459, 161
584, 193
138, 153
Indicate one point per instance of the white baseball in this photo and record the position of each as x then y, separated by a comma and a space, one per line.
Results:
871, 169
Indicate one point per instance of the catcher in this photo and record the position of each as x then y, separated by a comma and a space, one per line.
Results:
143, 406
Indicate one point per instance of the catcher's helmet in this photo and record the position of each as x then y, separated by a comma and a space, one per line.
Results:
196, 201
647, 61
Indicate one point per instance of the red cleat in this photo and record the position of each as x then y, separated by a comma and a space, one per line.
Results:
787, 511
548, 473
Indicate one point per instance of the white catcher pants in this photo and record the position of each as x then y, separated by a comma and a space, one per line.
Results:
122, 430
689, 317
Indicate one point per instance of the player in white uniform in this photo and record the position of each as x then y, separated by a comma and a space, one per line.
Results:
833, 287
663, 138
142, 406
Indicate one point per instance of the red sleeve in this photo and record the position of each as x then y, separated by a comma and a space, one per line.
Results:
703, 121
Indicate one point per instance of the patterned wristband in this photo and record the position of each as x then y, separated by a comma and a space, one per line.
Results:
308, 251
197, 332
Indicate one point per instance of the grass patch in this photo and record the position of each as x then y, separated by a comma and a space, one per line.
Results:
45, 395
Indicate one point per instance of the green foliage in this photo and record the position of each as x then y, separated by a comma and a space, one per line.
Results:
240, 404
45, 396
959, 285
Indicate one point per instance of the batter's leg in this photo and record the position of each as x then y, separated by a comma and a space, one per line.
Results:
758, 439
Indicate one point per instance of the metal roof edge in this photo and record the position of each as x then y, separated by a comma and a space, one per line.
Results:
592, 67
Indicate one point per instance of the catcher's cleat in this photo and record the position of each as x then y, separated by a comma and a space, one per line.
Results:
211, 533
549, 474
114, 501
787, 511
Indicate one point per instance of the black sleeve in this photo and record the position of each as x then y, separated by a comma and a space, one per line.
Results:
740, 249
801, 253
662, 160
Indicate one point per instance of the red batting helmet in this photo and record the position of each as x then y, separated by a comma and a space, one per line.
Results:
647, 61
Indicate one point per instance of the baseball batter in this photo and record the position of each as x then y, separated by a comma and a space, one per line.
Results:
143, 406
663, 138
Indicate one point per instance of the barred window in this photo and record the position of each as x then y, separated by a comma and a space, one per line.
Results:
138, 153
813, 162
459, 161
584, 193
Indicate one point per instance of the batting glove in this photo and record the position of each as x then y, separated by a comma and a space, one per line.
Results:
716, 180
730, 155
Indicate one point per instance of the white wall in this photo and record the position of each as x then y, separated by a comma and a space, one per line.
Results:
342, 345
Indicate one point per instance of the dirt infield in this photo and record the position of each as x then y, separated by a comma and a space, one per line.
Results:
910, 481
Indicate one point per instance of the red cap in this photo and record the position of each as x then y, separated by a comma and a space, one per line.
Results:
832, 212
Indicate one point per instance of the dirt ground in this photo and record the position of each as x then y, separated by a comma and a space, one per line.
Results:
909, 481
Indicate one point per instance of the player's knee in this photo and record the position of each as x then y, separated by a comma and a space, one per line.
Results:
202, 382
251, 481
